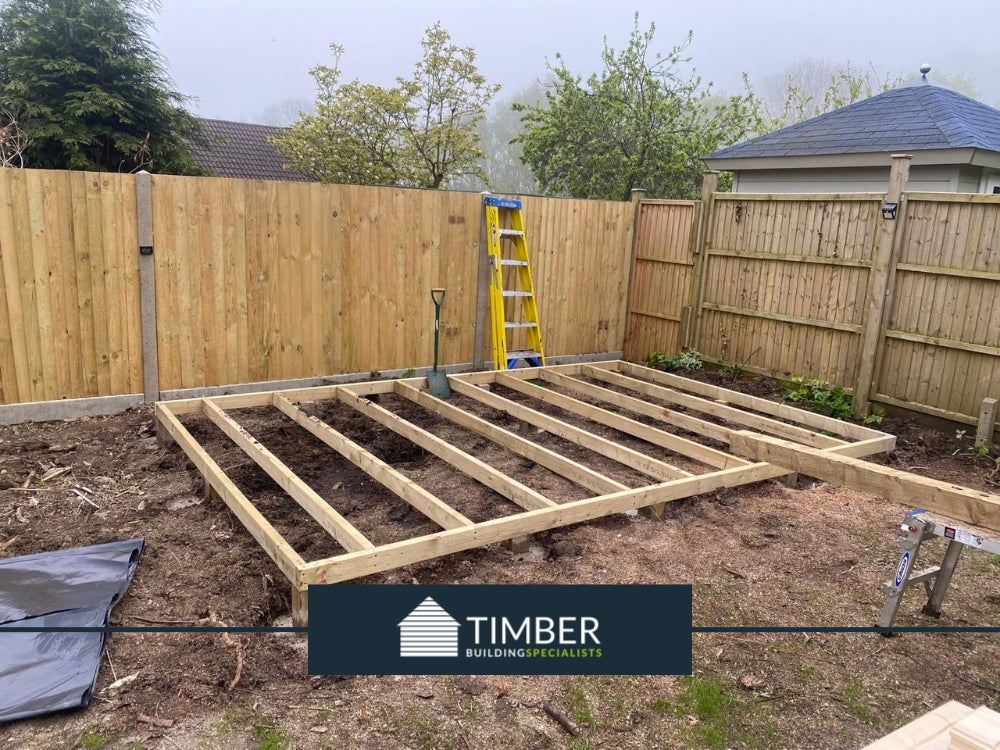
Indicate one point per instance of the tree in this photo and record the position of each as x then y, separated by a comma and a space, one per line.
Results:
639, 123
90, 87
420, 133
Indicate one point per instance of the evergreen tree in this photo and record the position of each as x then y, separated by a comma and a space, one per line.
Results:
89, 89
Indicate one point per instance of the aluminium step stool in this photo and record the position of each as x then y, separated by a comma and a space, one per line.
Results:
918, 526
502, 301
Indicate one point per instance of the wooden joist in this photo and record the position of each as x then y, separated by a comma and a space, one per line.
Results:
675, 443
324, 514
551, 460
389, 556
470, 465
775, 409
729, 413
634, 459
286, 558
640, 407
441, 513
952, 500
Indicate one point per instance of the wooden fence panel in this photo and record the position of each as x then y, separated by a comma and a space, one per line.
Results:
785, 283
262, 281
580, 255
69, 286
661, 277
942, 345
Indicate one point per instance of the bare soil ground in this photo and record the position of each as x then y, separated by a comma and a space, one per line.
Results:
758, 555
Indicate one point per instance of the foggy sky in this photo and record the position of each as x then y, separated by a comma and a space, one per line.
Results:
240, 56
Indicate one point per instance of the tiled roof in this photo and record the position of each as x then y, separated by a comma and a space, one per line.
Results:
916, 116
241, 149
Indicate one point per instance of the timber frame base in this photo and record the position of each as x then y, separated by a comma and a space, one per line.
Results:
778, 439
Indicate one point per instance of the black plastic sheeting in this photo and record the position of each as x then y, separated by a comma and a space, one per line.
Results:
45, 671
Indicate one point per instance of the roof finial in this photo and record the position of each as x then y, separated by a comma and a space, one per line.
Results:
925, 69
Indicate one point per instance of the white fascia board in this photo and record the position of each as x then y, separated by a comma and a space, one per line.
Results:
973, 156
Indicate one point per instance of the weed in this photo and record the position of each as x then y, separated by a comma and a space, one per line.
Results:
92, 740
579, 706
876, 416
408, 373
708, 701
977, 561
268, 736
688, 361
735, 371
983, 455
472, 710
424, 730
978, 455
873, 710
738, 369
852, 697
663, 706
819, 396
232, 720
714, 715
847, 738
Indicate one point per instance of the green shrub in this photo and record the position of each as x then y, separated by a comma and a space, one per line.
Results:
735, 371
819, 396
689, 361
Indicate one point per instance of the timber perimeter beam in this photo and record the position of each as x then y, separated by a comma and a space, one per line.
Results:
952, 500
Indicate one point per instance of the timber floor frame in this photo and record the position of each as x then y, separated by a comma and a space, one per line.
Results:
767, 440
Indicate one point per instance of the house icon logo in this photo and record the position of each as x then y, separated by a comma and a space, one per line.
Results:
428, 631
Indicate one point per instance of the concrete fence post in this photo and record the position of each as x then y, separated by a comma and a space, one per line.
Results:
147, 287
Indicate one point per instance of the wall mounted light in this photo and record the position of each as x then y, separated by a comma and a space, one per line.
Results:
889, 210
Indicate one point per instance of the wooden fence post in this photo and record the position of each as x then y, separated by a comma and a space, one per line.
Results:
638, 196
880, 281
987, 423
700, 238
147, 287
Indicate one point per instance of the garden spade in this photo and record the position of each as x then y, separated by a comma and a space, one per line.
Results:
437, 381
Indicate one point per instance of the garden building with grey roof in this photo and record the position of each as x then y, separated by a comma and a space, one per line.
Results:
954, 142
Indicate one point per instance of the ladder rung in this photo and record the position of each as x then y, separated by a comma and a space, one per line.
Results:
516, 294
511, 233
523, 354
520, 325
513, 262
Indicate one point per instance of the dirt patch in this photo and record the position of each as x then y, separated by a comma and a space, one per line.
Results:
758, 555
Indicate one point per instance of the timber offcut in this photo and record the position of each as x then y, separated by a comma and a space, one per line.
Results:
700, 438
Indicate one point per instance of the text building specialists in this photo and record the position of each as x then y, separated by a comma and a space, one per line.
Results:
535, 637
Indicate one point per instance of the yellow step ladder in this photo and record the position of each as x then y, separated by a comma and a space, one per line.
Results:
505, 304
